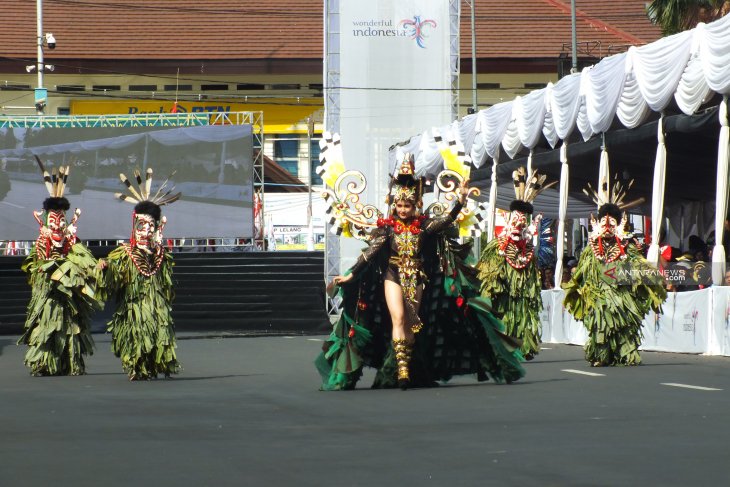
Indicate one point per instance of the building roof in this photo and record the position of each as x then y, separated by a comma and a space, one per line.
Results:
293, 29
540, 28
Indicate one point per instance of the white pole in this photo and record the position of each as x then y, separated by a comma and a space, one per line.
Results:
473, 60
39, 40
573, 38
657, 197
721, 194
310, 222
560, 236
492, 199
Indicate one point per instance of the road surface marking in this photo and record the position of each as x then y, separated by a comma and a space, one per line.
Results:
545, 348
583, 372
687, 386
315, 339
11, 204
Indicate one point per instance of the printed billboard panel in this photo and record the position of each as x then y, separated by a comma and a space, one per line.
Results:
211, 165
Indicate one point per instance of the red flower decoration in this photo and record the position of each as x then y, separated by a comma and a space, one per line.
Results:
351, 333
362, 305
459, 301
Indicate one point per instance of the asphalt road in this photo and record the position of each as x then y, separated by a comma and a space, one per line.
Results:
247, 412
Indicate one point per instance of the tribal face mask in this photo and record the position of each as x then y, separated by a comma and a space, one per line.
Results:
145, 232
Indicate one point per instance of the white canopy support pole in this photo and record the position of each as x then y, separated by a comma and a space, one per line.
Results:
657, 197
721, 195
529, 164
560, 236
604, 175
492, 200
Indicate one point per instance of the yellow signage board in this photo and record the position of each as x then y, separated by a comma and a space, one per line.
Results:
281, 115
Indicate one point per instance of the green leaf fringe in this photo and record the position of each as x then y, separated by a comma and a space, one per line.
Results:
58, 323
613, 313
515, 295
143, 334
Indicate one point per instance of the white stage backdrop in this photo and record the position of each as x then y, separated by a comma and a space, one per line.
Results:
691, 322
396, 65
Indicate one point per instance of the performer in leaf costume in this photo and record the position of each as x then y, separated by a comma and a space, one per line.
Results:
61, 273
508, 267
411, 307
613, 287
139, 276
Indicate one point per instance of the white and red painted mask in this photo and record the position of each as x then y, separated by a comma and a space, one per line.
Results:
56, 224
145, 228
607, 226
517, 227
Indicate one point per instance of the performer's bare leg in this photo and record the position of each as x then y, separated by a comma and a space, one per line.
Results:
402, 319
396, 308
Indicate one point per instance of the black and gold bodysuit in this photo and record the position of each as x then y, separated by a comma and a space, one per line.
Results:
403, 242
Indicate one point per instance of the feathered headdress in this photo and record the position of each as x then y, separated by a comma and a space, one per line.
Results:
610, 198
527, 189
56, 185
141, 196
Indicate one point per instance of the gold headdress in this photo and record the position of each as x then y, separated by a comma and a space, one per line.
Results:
405, 186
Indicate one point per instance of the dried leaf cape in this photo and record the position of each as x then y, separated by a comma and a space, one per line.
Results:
613, 287
508, 266
455, 332
138, 275
61, 273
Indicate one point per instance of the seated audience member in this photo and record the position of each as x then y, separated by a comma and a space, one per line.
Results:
548, 278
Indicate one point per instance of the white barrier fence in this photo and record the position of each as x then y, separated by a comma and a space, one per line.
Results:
690, 322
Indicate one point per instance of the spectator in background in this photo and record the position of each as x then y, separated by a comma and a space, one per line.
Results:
697, 248
727, 278
548, 277
570, 267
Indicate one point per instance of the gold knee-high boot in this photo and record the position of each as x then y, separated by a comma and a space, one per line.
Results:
402, 350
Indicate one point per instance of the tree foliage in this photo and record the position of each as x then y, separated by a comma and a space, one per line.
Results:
678, 15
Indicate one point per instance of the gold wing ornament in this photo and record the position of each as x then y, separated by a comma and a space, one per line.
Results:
457, 168
349, 217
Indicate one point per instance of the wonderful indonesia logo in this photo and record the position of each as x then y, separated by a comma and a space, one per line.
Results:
415, 28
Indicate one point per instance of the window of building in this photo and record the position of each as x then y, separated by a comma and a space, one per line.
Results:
285, 86
314, 158
142, 87
178, 87
14, 87
70, 88
63, 111
286, 153
213, 87
535, 86
250, 86
106, 88
488, 86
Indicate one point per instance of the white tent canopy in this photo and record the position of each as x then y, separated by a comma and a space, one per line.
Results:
687, 69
